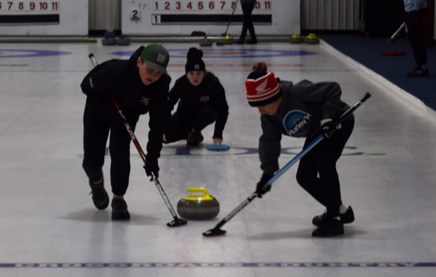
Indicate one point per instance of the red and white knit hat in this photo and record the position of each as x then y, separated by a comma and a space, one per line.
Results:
262, 90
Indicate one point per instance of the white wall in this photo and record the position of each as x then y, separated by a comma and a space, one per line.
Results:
285, 16
330, 14
73, 17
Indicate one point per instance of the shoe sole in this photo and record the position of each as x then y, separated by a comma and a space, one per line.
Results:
330, 228
315, 220
120, 216
327, 234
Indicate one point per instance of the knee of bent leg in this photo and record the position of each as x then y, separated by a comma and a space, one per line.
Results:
303, 179
208, 113
300, 178
335, 86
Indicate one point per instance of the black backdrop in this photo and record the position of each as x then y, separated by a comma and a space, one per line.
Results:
381, 17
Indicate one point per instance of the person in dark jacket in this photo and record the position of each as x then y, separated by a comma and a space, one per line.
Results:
139, 85
247, 25
303, 109
415, 21
201, 101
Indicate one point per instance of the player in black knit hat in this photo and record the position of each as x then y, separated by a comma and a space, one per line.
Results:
201, 101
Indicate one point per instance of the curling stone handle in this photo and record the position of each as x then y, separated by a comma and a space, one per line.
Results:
205, 195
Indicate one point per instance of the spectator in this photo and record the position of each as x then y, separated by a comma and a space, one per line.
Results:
247, 11
415, 11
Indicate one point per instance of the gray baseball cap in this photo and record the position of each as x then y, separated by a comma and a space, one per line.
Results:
156, 57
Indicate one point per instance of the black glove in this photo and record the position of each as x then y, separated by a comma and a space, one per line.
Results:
329, 128
151, 166
262, 187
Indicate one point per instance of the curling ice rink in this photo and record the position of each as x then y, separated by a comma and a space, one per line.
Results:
49, 226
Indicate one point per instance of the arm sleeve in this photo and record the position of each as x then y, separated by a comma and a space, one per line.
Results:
158, 118
98, 80
174, 95
269, 147
222, 110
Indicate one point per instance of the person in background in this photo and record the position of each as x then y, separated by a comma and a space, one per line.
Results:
201, 101
415, 11
298, 110
139, 85
247, 11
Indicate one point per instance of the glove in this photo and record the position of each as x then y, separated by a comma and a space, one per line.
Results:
262, 187
329, 128
151, 167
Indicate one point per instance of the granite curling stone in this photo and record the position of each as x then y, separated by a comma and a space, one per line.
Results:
199, 205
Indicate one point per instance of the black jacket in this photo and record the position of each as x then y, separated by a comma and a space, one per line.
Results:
120, 79
209, 92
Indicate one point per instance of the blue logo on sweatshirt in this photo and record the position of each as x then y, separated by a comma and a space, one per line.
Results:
296, 123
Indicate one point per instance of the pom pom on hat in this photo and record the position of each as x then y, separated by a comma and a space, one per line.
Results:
194, 60
259, 67
262, 88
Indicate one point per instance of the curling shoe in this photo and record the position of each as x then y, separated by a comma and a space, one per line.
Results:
345, 218
419, 71
119, 209
194, 139
329, 227
99, 195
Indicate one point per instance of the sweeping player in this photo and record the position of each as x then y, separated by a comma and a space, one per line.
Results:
139, 85
303, 110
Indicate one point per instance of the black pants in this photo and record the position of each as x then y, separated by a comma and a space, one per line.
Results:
416, 35
247, 10
100, 121
317, 172
183, 122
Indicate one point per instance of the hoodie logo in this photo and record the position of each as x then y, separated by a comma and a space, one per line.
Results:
296, 123
145, 101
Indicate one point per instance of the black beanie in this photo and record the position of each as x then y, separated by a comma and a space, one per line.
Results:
194, 61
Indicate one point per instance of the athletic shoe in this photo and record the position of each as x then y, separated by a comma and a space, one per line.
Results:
194, 139
119, 209
418, 72
240, 41
99, 195
345, 218
329, 227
